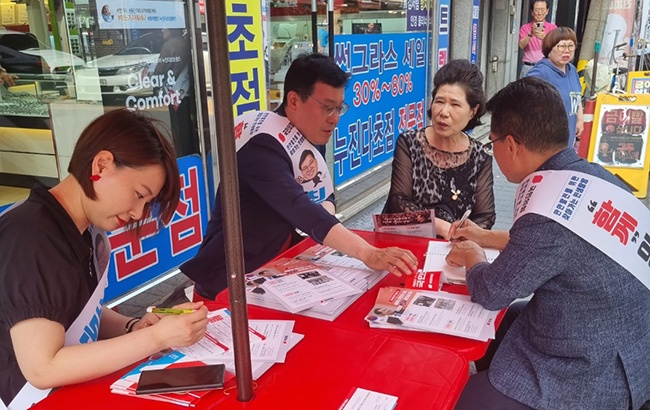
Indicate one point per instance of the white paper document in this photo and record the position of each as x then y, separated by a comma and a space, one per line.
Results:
218, 337
272, 348
435, 261
363, 399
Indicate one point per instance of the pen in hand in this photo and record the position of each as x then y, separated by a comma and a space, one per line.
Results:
461, 222
166, 311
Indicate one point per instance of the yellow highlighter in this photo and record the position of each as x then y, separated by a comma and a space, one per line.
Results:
166, 311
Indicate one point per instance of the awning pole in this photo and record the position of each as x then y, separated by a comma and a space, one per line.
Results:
215, 14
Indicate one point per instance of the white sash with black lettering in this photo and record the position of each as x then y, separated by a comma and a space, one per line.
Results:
601, 213
309, 166
85, 328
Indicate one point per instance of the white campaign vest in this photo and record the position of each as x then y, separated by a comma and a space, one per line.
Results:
601, 213
249, 125
84, 329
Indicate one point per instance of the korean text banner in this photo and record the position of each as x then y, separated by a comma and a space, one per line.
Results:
123, 14
245, 51
417, 15
135, 261
386, 94
444, 18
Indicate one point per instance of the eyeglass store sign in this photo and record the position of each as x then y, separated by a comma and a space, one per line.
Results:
123, 14
386, 94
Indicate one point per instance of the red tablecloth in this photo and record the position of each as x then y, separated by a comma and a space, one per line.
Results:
424, 370
354, 316
319, 373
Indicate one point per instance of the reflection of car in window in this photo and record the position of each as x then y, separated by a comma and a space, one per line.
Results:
120, 73
123, 73
22, 53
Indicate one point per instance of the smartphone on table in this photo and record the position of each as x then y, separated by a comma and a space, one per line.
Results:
181, 379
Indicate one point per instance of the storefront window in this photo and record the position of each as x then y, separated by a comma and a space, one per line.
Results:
72, 61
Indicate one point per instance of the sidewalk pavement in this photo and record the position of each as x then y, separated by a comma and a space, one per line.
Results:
171, 291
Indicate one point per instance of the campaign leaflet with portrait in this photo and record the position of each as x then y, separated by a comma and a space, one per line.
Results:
300, 284
417, 223
436, 312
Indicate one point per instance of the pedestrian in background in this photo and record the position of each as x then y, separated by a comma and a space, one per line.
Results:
559, 48
532, 34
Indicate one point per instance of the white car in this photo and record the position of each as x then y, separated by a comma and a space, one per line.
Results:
22, 53
122, 73
129, 72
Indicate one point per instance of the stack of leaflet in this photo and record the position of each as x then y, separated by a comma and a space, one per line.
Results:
320, 283
270, 340
430, 311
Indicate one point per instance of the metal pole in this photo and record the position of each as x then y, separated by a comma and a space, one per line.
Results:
215, 14
594, 73
330, 26
314, 26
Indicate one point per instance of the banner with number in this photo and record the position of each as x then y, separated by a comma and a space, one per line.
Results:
387, 91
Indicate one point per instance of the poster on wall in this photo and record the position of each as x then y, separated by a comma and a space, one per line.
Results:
622, 136
246, 55
123, 14
618, 30
387, 93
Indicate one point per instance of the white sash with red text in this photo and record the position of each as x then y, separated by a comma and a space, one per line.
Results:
85, 328
601, 213
309, 166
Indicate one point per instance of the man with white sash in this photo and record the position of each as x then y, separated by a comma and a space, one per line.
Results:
580, 245
284, 182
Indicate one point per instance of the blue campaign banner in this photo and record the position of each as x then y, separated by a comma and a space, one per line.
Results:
386, 93
444, 17
135, 261
473, 42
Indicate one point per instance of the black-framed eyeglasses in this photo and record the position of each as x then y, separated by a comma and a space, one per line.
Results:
331, 109
488, 148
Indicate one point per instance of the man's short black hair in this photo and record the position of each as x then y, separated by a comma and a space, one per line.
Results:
307, 70
532, 4
532, 111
